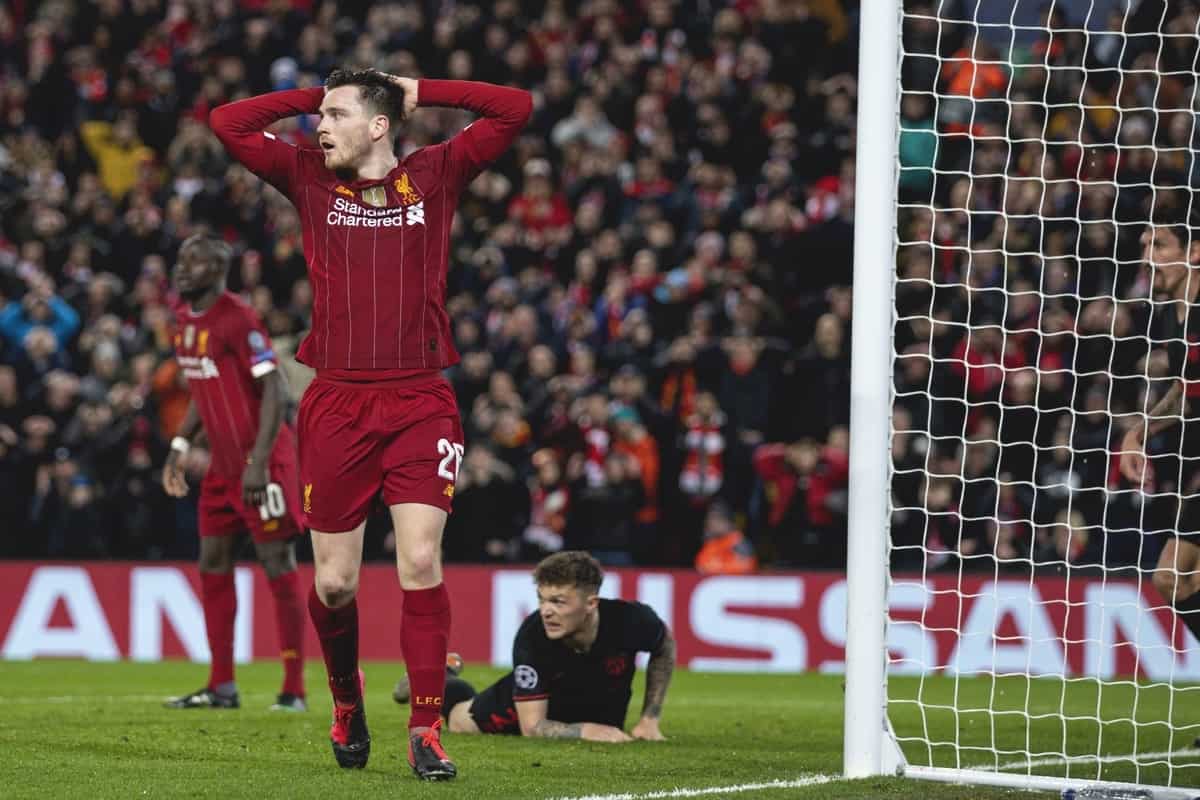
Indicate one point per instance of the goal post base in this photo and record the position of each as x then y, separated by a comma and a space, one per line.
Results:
980, 777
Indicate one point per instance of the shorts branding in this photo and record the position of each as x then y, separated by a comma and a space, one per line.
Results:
525, 676
449, 490
308, 498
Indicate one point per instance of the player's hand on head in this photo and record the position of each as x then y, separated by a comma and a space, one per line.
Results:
173, 481
254, 483
647, 729
409, 85
595, 732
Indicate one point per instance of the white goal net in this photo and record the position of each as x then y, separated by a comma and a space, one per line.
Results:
1032, 638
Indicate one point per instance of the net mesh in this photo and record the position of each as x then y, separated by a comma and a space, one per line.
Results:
1030, 629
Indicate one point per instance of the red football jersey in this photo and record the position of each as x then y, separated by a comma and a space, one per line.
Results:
377, 250
223, 352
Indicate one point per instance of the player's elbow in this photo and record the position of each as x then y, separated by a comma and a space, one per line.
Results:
220, 122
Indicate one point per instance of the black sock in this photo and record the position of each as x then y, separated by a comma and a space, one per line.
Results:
1188, 610
457, 691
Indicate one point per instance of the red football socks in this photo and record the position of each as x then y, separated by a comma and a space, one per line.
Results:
220, 607
337, 629
424, 636
289, 625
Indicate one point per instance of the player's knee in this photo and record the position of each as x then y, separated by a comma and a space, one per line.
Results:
459, 720
420, 562
277, 560
215, 558
336, 590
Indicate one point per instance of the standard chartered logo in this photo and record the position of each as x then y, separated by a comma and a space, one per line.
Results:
353, 215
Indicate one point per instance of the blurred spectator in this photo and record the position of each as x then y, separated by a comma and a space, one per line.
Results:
726, 550
488, 507
603, 507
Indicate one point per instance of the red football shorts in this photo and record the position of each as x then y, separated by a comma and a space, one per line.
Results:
222, 511
358, 439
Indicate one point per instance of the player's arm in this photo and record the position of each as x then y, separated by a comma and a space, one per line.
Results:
659, 670
503, 112
270, 417
241, 127
532, 717
172, 477
1167, 413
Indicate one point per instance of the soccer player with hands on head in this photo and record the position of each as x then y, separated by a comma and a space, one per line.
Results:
573, 665
253, 481
379, 417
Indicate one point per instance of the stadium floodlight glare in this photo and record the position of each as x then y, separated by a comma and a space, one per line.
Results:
1002, 624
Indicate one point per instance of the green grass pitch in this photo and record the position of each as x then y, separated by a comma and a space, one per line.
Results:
74, 729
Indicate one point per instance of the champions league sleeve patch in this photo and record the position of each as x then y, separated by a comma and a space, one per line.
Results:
525, 677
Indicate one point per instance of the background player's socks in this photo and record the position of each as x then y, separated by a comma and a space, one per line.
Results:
1189, 611
289, 623
337, 629
457, 691
424, 635
220, 608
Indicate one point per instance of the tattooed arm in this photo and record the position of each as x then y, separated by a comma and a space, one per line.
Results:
532, 716
658, 678
1166, 413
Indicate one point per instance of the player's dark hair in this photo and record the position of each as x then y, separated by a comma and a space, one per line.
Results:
1178, 210
212, 249
570, 568
378, 92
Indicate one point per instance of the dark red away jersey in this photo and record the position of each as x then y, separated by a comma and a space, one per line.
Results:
377, 250
223, 352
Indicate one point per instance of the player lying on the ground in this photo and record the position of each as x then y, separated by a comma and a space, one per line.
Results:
253, 481
573, 664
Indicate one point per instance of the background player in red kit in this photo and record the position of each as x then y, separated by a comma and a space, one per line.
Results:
379, 417
253, 482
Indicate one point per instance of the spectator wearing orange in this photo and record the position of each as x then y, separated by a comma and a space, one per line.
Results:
726, 550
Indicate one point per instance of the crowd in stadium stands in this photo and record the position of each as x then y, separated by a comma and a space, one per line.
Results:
650, 291
1026, 190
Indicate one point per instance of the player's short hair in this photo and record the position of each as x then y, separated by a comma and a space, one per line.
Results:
213, 250
379, 93
570, 568
1178, 210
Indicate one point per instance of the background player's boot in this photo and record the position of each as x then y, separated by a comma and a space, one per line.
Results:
289, 702
426, 756
204, 698
348, 735
454, 668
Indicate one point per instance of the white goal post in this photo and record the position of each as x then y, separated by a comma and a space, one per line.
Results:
1023, 645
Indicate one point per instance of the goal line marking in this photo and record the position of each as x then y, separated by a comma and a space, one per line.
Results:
796, 783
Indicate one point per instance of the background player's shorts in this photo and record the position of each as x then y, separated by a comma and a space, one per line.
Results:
223, 513
494, 710
358, 439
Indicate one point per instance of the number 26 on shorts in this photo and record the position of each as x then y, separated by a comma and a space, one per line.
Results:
452, 456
